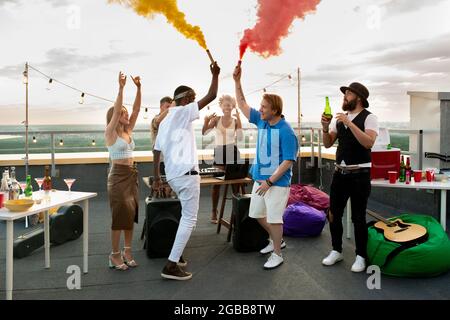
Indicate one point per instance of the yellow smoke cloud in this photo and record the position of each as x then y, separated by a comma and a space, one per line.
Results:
169, 9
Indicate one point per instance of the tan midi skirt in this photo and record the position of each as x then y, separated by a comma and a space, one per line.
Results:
123, 196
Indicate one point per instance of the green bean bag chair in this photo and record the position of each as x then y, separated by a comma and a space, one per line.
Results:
426, 259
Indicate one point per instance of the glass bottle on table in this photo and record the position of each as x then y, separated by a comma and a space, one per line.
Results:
14, 190
47, 184
4, 188
28, 192
402, 177
408, 166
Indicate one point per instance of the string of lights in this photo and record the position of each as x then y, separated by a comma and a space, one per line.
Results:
84, 93
263, 89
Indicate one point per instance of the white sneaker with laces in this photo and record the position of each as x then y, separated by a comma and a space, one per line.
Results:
269, 247
359, 265
333, 257
273, 261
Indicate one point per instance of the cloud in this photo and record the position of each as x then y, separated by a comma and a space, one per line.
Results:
61, 61
395, 7
389, 72
399, 62
53, 3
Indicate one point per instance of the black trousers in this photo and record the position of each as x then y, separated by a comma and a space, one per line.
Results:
355, 186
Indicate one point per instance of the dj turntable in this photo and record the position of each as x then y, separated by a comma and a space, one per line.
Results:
211, 172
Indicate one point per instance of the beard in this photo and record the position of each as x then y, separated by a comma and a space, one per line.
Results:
349, 106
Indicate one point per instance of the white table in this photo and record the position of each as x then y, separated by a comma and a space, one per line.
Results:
58, 198
435, 185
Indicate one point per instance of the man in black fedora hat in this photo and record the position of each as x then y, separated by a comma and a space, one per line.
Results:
356, 131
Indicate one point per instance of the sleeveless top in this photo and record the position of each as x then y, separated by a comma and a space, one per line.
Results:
224, 136
349, 149
121, 149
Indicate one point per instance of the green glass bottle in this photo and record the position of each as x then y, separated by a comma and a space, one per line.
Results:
327, 111
29, 188
402, 176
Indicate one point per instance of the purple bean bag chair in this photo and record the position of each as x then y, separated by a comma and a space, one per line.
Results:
302, 220
309, 195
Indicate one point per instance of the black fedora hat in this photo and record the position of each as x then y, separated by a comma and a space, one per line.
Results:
360, 90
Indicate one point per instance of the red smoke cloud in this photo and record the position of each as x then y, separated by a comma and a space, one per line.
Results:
274, 19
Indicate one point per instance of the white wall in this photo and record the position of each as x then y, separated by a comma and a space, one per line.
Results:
425, 113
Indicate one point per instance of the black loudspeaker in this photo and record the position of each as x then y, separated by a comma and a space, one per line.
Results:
65, 225
248, 235
161, 224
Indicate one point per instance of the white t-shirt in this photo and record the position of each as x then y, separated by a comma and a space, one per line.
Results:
371, 123
176, 140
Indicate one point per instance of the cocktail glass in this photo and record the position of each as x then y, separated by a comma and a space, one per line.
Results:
69, 182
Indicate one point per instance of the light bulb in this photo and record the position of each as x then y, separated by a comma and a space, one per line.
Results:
25, 77
81, 99
34, 139
50, 81
93, 142
303, 139
61, 142
146, 113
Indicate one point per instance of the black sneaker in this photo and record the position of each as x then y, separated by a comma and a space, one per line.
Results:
182, 262
174, 272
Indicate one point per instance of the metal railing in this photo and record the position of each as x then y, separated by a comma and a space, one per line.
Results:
249, 141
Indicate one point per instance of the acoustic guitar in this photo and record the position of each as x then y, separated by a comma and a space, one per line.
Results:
397, 230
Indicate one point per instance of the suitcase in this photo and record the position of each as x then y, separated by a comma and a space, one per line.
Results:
248, 235
65, 225
161, 224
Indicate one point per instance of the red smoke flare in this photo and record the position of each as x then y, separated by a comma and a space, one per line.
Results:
274, 19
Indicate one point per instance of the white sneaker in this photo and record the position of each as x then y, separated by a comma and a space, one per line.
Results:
332, 258
273, 261
359, 265
269, 247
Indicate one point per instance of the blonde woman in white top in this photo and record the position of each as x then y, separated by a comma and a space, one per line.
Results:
227, 130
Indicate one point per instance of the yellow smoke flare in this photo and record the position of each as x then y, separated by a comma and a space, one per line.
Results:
169, 8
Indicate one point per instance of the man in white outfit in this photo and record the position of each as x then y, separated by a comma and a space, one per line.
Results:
176, 141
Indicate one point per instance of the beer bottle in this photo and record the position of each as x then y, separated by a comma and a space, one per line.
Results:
408, 167
327, 111
47, 184
29, 188
402, 177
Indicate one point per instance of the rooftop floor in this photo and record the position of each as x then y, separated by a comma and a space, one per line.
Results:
219, 271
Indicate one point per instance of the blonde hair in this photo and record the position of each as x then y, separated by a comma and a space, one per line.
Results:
227, 97
110, 114
275, 101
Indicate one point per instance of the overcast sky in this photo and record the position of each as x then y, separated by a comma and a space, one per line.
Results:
391, 46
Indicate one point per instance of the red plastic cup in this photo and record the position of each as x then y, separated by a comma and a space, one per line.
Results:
2, 198
392, 176
430, 175
417, 175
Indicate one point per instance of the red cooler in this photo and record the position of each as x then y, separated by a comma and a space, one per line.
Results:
384, 161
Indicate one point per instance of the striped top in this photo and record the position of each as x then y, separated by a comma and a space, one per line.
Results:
121, 149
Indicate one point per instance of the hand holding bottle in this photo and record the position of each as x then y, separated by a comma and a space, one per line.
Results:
326, 116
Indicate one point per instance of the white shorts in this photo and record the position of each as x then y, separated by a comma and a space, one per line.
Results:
271, 205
